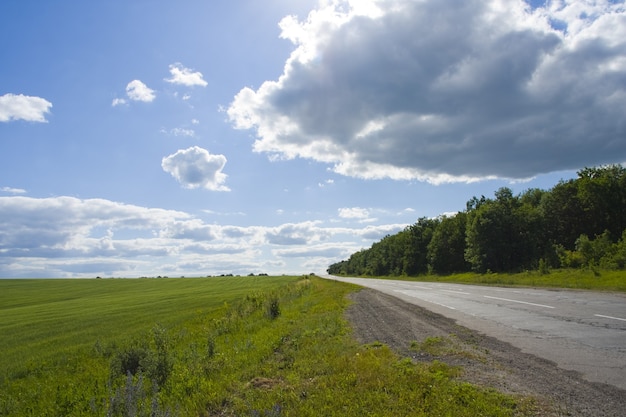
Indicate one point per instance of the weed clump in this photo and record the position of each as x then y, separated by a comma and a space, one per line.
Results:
210, 348
154, 362
273, 308
134, 399
128, 361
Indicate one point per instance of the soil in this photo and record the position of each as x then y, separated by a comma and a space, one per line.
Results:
424, 336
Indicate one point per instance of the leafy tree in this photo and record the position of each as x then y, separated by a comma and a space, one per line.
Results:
533, 244
415, 257
356, 263
338, 268
592, 251
616, 257
590, 204
446, 250
569, 258
504, 234
490, 233
602, 193
563, 214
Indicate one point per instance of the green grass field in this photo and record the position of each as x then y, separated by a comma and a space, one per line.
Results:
232, 346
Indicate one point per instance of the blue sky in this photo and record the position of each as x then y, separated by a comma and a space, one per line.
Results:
144, 138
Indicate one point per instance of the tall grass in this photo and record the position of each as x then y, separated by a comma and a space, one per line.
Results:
262, 346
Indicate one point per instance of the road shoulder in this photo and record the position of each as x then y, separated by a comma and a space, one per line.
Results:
422, 335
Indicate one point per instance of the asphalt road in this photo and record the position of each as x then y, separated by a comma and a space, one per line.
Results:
583, 331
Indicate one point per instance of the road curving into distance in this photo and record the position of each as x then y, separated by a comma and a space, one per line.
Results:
583, 331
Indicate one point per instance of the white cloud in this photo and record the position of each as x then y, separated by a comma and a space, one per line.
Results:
377, 232
70, 237
118, 102
196, 167
13, 190
303, 233
323, 250
138, 91
354, 213
193, 229
49, 227
185, 76
179, 131
66, 236
444, 91
21, 107
216, 213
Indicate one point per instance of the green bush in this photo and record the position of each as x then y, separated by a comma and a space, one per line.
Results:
273, 308
138, 358
128, 361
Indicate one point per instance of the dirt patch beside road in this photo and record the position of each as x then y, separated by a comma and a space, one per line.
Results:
425, 336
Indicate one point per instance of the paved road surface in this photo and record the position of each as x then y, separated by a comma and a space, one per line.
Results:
582, 331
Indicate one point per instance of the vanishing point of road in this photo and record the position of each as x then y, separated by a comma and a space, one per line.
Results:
583, 331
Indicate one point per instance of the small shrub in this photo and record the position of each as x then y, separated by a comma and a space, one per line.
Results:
158, 364
273, 308
104, 350
128, 361
135, 358
433, 345
134, 399
210, 349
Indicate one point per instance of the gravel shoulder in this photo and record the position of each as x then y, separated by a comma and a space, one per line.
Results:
422, 335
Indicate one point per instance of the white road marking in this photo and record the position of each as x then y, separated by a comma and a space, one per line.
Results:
507, 290
417, 286
609, 317
457, 292
443, 305
409, 293
517, 301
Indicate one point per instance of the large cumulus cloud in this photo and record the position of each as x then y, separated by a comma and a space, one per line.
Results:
447, 90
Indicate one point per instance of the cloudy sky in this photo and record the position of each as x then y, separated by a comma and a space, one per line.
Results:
148, 137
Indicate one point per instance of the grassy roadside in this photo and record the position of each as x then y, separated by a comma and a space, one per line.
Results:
581, 279
272, 346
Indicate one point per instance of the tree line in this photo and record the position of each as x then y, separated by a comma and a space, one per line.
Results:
580, 222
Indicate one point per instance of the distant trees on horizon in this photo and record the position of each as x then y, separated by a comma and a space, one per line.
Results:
578, 223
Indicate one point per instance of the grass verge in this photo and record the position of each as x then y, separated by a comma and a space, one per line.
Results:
209, 347
582, 279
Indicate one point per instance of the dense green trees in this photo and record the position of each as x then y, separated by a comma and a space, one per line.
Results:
446, 249
580, 222
402, 253
505, 234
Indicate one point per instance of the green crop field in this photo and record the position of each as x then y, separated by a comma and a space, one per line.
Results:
228, 346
